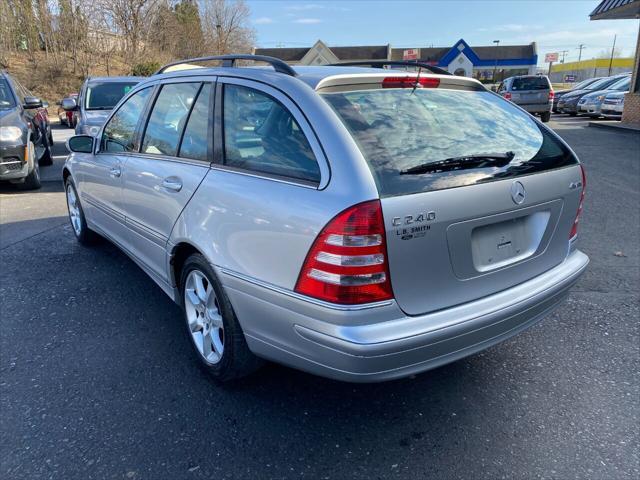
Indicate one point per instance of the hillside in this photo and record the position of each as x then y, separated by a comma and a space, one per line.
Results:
51, 80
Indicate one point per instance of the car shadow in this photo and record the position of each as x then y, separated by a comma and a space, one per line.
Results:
47, 186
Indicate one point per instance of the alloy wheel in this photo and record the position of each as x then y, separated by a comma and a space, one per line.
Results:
74, 210
203, 316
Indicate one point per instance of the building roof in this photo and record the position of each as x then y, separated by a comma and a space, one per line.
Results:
615, 9
376, 52
367, 52
286, 54
504, 52
480, 56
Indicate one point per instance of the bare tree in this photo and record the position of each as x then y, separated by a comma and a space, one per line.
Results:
130, 19
226, 26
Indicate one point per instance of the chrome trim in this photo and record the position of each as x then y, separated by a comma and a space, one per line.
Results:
146, 232
298, 296
102, 207
264, 176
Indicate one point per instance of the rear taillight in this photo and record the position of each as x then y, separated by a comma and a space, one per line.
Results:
507, 96
347, 263
574, 228
551, 94
410, 82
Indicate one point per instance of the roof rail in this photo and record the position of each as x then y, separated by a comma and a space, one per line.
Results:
230, 60
384, 63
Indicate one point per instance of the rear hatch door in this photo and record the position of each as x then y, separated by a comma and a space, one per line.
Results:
530, 90
460, 232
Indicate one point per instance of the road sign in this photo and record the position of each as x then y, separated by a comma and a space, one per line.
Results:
551, 57
411, 54
569, 78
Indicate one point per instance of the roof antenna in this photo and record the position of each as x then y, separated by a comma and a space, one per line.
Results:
417, 80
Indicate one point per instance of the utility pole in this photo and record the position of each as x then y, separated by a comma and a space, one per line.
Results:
563, 53
580, 47
495, 65
613, 49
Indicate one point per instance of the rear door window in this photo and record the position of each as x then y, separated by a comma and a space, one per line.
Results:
195, 140
530, 83
168, 118
397, 129
261, 135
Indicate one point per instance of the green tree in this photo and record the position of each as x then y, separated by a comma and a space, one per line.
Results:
190, 40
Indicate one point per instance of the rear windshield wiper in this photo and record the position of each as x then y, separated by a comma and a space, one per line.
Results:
462, 162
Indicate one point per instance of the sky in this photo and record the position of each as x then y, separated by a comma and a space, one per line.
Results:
555, 25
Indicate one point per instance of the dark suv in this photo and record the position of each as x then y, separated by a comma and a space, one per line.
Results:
25, 134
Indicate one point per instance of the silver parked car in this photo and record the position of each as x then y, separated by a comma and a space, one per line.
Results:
532, 92
591, 104
97, 98
357, 223
613, 105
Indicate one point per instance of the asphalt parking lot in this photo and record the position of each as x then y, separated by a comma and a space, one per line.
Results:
97, 380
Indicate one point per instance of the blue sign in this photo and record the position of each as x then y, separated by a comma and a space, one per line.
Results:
569, 78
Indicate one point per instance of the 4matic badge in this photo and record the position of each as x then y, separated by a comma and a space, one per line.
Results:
413, 226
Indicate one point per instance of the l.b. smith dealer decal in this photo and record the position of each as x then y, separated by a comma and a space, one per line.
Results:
411, 226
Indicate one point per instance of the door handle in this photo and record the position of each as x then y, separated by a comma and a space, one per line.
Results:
172, 184
115, 171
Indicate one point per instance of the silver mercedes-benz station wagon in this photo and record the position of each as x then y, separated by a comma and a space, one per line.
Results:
363, 224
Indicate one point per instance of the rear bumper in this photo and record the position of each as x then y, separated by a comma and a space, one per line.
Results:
537, 107
382, 343
13, 164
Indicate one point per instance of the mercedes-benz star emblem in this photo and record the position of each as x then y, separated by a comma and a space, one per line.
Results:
518, 193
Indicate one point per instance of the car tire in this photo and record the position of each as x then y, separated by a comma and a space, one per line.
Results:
545, 117
50, 138
82, 232
31, 181
215, 334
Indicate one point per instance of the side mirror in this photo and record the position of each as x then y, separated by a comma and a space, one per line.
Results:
81, 144
32, 102
45, 104
69, 104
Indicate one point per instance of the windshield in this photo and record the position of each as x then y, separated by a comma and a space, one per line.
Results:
622, 85
530, 83
397, 129
105, 96
6, 97
584, 83
603, 83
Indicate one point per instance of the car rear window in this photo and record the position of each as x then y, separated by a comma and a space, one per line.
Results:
397, 129
530, 83
105, 96
6, 97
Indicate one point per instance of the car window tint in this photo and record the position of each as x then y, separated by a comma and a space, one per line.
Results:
530, 83
6, 97
168, 118
261, 135
105, 95
118, 134
195, 139
397, 129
